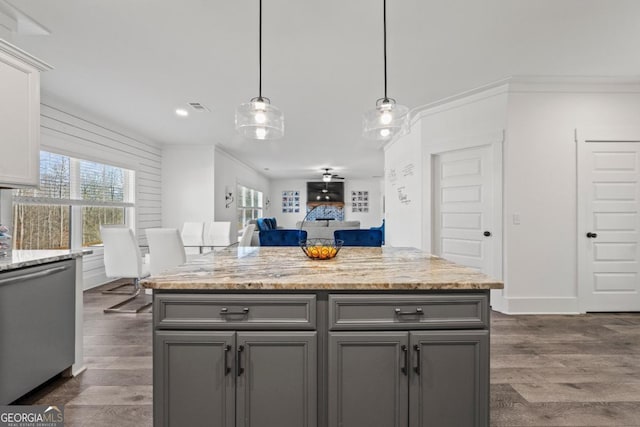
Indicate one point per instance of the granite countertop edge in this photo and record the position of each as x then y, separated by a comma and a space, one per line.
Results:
34, 258
286, 269
196, 286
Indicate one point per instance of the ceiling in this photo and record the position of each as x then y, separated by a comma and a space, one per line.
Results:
135, 62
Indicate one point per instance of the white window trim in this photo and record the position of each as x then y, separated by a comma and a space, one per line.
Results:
75, 202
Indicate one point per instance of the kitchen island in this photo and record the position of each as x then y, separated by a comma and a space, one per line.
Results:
376, 337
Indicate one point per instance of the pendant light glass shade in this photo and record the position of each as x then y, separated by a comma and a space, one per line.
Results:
258, 119
385, 121
388, 119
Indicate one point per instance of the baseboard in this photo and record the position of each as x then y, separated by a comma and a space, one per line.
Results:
534, 305
94, 281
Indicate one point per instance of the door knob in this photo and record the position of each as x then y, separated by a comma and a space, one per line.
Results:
591, 235
487, 233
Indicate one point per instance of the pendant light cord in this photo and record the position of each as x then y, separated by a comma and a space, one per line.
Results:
384, 25
260, 54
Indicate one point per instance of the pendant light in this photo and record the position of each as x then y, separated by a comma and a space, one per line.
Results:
388, 119
258, 119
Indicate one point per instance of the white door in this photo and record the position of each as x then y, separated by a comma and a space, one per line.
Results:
463, 208
609, 226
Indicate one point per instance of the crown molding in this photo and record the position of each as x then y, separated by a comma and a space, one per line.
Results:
21, 55
527, 84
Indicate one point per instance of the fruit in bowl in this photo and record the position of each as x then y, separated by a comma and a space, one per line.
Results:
320, 248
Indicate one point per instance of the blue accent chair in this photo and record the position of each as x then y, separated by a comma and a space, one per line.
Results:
282, 237
266, 224
273, 222
362, 237
381, 228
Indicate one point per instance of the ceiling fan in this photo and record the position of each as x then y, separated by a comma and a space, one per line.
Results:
327, 176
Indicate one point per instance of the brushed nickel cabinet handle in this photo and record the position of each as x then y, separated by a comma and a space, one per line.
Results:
33, 275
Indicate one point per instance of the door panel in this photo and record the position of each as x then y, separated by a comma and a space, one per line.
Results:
367, 384
463, 207
277, 379
609, 207
448, 371
194, 378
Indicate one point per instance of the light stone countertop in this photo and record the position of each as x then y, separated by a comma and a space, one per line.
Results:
287, 268
29, 258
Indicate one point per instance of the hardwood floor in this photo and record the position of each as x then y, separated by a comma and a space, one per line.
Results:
116, 388
545, 371
565, 370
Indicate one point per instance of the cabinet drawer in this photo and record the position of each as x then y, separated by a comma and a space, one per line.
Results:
200, 311
354, 312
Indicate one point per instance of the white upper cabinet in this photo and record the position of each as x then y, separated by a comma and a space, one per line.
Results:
19, 117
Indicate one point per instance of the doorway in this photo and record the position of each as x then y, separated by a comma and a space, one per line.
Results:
608, 225
465, 219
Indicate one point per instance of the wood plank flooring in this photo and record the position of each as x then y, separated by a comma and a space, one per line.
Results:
545, 371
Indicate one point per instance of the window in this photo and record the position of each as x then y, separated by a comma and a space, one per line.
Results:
75, 197
249, 205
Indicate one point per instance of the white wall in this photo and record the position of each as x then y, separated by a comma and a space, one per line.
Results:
188, 185
229, 172
288, 220
72, 132
539, 175
541, 185
403, 190
374, 217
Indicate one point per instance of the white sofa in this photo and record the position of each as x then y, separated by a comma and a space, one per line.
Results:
324, 229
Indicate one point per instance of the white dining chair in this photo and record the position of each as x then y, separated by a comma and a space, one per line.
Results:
193, 237
122, 259
247, 234
166, 249
217, 234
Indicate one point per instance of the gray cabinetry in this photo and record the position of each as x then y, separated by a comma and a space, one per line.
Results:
368, 382
194, 378
276, 379
409, 377
321, 359
449, 378
447, 311
226, 378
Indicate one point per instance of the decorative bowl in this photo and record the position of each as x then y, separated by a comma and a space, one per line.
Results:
320, 248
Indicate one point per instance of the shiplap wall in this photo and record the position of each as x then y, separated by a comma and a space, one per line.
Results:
77, 134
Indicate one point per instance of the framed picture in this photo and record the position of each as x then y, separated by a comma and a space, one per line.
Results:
360, 201
291, 201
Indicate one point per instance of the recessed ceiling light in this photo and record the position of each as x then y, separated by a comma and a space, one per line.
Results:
182, 112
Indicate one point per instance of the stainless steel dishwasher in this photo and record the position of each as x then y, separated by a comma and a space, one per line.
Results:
37, 326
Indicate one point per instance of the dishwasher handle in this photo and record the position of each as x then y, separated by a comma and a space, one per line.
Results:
36, 275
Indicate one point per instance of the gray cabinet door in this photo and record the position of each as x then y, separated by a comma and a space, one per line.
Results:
449, 379
368, 379
276, 379
194, 379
